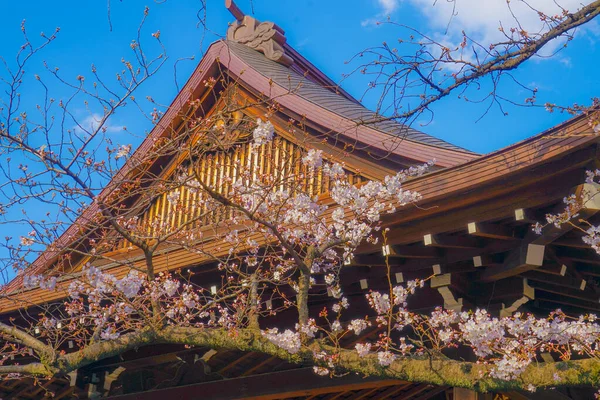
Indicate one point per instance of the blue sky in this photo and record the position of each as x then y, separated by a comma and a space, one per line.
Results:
326, 32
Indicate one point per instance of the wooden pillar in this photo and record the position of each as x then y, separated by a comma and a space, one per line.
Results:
466, 394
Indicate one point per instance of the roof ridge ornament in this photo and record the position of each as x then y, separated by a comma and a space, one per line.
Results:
265, 37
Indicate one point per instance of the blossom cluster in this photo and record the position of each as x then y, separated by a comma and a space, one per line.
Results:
287, 340
263, 133
573, 205
33, 281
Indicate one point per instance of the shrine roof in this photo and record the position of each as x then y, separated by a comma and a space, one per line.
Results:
330, 97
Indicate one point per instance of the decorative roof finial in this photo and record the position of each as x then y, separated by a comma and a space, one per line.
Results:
234, 10
265, 37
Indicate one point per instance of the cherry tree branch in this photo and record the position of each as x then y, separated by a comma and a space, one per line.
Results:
27, 340
425, 64
438, 371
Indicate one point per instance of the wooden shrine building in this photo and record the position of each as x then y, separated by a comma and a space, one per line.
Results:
472, 230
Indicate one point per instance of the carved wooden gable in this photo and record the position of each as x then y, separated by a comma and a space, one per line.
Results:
280, 158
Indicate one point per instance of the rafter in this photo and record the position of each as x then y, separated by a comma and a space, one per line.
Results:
450, 242
276, 385
491, 231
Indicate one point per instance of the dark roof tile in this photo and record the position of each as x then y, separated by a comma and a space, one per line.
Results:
329, 99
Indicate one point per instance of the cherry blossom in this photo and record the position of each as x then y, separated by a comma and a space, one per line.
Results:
123, 151
287, 340
363, 349
313, 159
386, 358
263, 133
358, 325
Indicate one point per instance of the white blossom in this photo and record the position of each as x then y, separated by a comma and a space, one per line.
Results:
358, 325
26, 241
309, 329
362, 349
109, 334
287, 340
385, 358
313, 159
131, 284
123, 151
592, 237
263, 133
33, 281
173, 197
336, 326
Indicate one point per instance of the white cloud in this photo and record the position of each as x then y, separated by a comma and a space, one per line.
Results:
90, 123
481, 19
369, 22
387, 7
301, 44
591, 31
566, 61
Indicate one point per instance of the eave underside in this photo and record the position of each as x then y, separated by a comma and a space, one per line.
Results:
165, 372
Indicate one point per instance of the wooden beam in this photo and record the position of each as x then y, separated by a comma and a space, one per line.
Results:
561, 282
415, 390
570, 267
259, 365
412, 225
569, 301
550, 304
392, 391
589, 270
576, 243
510, 310
588, 256
36, 390
483, 261
368, 260
562, 292
466, 394
433, 392
514, 395
524, 258
236, 362
558, 270
361, 395
450, 242
492, 231
510, 288
531, 254
110, 378
64, 393
300, 382
589, 195
414, 252
20, 393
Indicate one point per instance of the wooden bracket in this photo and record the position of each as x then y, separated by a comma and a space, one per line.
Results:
442, 284
110, 378
528, 294
73, 377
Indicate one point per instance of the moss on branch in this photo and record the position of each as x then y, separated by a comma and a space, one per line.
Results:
446, 372
441, 371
